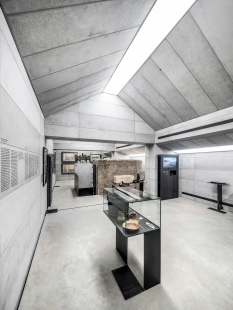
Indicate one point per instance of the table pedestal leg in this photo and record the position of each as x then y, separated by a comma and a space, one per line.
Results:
122, 245
152, 258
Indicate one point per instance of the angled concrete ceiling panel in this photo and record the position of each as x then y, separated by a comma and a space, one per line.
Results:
72, 96
172, 66
221, 140
211, 141
189, 144
68, 56
151, 95
134, 94
71, 48
203, 142
13, 6
75, 86
195, 51
72, 102
75, 23
68, 75
167, 90
216, 23
137, 109
189, 74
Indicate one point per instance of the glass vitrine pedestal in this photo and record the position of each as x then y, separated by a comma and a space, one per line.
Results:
134, 212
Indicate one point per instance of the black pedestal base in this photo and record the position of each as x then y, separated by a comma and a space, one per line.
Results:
127, 282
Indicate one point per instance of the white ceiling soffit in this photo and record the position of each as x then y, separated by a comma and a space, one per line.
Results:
71, 48
162, 18
190, 74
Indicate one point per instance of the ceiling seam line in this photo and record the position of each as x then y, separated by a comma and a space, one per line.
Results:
192, 75
55, 8
73, 43
152, 121
142, 110
151, 105
132, 42
74, 92
74, 99
131, 132
75, 80
163, 99
178, 91
85, 62
161, 41
139, 109
211, 47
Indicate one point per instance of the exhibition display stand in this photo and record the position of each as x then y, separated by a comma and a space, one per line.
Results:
134, 212
219, 190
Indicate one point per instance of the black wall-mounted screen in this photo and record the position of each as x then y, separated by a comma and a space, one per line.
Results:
169, 162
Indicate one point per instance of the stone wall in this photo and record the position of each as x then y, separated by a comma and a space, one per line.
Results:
106, 169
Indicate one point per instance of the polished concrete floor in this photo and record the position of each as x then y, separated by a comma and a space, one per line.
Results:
76, 252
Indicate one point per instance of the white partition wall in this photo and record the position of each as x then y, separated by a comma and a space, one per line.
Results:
22, 195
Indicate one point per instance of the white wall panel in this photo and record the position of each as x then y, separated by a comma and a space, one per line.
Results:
22, 195
196, 170
102, 117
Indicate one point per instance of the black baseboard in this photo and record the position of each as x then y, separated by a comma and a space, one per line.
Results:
51, 211
208, 199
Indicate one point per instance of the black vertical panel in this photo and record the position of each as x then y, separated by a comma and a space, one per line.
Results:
219, 197
168, 179
122, 245
49, 180
152, 258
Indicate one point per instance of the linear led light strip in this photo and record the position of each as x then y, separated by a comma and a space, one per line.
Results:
161, 20
206, 149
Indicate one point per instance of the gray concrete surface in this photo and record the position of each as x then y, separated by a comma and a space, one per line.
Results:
76, 253
190, 73
196, 170
81, 38
102, 117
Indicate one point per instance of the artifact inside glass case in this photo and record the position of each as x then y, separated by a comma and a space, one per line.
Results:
132, 211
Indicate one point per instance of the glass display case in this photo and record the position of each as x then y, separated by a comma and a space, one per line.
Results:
132, 211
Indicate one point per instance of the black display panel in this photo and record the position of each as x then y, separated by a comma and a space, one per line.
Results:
45, 153
169, 162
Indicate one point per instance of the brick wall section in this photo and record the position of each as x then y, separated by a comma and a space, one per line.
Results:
106, 169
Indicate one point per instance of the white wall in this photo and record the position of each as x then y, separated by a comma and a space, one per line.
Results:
22, 196
198, 169
103, 118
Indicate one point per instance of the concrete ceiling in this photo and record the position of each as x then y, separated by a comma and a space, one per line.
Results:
132, 151
210, 141
190, 74
71, 48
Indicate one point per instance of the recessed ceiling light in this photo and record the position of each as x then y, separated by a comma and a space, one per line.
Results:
161, 20
207, 149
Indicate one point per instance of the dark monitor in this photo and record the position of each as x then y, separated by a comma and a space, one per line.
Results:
169, 162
